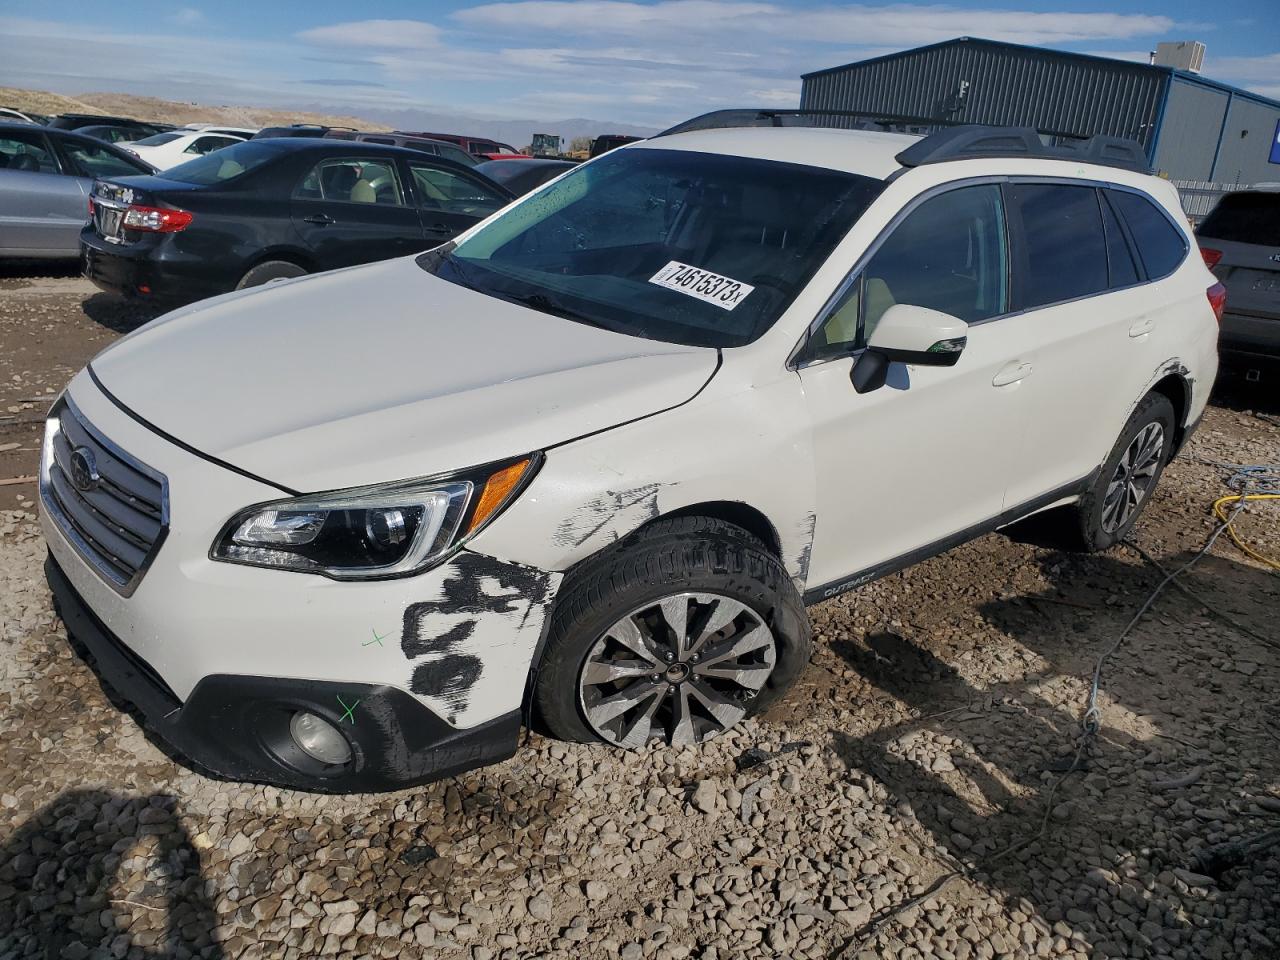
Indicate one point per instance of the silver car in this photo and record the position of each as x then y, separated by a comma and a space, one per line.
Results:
45, 179
1240, 241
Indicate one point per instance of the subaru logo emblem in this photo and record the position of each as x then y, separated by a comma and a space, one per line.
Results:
84, 469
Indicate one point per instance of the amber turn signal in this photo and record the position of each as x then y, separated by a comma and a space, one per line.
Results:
496, 490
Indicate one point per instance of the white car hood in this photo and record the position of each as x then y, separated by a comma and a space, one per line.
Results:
384, 373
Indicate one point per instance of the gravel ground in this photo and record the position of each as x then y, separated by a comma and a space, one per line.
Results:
941, 708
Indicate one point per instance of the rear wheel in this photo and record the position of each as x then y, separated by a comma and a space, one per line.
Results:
270, 270
676, 635
1107, 513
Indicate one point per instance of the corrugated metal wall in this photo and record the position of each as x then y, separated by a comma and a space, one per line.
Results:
1006, 85
1246, 143
1189, 131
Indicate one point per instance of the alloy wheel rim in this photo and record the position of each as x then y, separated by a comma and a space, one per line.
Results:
683, 668
1133, 477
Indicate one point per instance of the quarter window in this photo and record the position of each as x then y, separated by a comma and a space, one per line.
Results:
353, 181
98, 161
1065, 248
948, 254
1160, 245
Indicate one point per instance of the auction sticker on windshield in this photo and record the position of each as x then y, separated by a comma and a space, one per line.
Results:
725, 292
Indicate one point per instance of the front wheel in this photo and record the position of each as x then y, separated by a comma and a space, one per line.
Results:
676, 635
1109, 510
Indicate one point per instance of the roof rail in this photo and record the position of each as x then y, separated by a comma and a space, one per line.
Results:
973, 141
943, 139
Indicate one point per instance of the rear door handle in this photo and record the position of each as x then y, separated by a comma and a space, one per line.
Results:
1142, 327
438, 228
1011, 373
321, 218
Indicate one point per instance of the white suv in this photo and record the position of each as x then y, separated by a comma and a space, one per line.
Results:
592, 460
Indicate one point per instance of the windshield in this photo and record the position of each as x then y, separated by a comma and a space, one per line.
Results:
673, 245
1245, 218
224, 164
159, 138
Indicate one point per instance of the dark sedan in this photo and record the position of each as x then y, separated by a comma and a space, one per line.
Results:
269, 209
525, 175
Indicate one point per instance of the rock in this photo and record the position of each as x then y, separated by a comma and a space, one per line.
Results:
704, 797
540, 907
596, 890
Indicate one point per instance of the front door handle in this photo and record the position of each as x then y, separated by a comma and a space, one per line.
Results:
323, 219
1142, 327
1011, 373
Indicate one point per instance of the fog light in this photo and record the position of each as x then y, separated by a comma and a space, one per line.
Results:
319, 739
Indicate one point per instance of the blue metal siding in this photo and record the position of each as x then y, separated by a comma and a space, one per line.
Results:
1007, 85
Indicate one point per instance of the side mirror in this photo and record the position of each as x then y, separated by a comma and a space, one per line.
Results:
919, 335
908, 334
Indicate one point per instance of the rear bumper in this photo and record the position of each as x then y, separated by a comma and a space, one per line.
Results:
237, 726
1249, 335
145, 273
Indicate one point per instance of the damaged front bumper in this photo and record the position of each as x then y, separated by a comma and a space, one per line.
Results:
237, 726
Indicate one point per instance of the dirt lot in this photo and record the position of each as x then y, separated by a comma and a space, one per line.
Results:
940, 711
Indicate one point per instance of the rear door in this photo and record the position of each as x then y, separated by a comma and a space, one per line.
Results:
355, 209
1243, 231
450, 200
1087, 328
42, 207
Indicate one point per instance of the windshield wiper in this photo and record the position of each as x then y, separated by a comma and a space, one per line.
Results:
545, 304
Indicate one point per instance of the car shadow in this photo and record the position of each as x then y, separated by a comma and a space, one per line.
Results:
94, 873
982, 794
122, 315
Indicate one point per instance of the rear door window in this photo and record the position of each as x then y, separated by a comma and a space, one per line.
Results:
450, 192
1064, 251
1245, 218
353, 181
26, 152
94, 160
1160, 244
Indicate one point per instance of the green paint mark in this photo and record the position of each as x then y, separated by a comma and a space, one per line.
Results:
376, 639
348, 714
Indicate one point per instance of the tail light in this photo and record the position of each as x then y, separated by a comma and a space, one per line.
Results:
1217, 295
90, 207
157, 219
1211, 256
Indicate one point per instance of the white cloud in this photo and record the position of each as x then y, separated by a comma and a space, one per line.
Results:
899, 24
186, 16
376, 34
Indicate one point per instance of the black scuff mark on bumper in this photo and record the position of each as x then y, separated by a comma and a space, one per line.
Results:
435, 632
639, 503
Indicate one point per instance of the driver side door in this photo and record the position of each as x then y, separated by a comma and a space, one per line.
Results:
917, 465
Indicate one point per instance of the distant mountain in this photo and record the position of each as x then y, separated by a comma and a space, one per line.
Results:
518, 133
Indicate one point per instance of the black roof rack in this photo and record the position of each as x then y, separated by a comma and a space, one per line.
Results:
972, 142
943, 139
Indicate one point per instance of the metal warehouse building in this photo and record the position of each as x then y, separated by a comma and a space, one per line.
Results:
1192, 128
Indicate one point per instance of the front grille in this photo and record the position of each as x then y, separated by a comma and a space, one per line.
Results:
112, 507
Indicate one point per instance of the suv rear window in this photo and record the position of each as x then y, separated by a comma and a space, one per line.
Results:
1161, 246
1245, 217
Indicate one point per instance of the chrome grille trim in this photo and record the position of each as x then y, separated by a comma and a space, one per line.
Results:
119, 524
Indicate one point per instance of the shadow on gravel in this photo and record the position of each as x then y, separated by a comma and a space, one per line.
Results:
1029, 741
25, 269
120, 314
98, 873
1235, 392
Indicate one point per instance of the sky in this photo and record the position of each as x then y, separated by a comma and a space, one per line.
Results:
650, 63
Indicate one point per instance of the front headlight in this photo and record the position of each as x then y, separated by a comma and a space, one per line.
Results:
372, 532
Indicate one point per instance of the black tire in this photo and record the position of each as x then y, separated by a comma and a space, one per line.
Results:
674, 555
270, 270
1091, 510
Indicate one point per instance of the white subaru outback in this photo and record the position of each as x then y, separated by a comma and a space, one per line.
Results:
586, 465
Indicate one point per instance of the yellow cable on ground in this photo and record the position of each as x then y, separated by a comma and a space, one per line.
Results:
1219, 511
